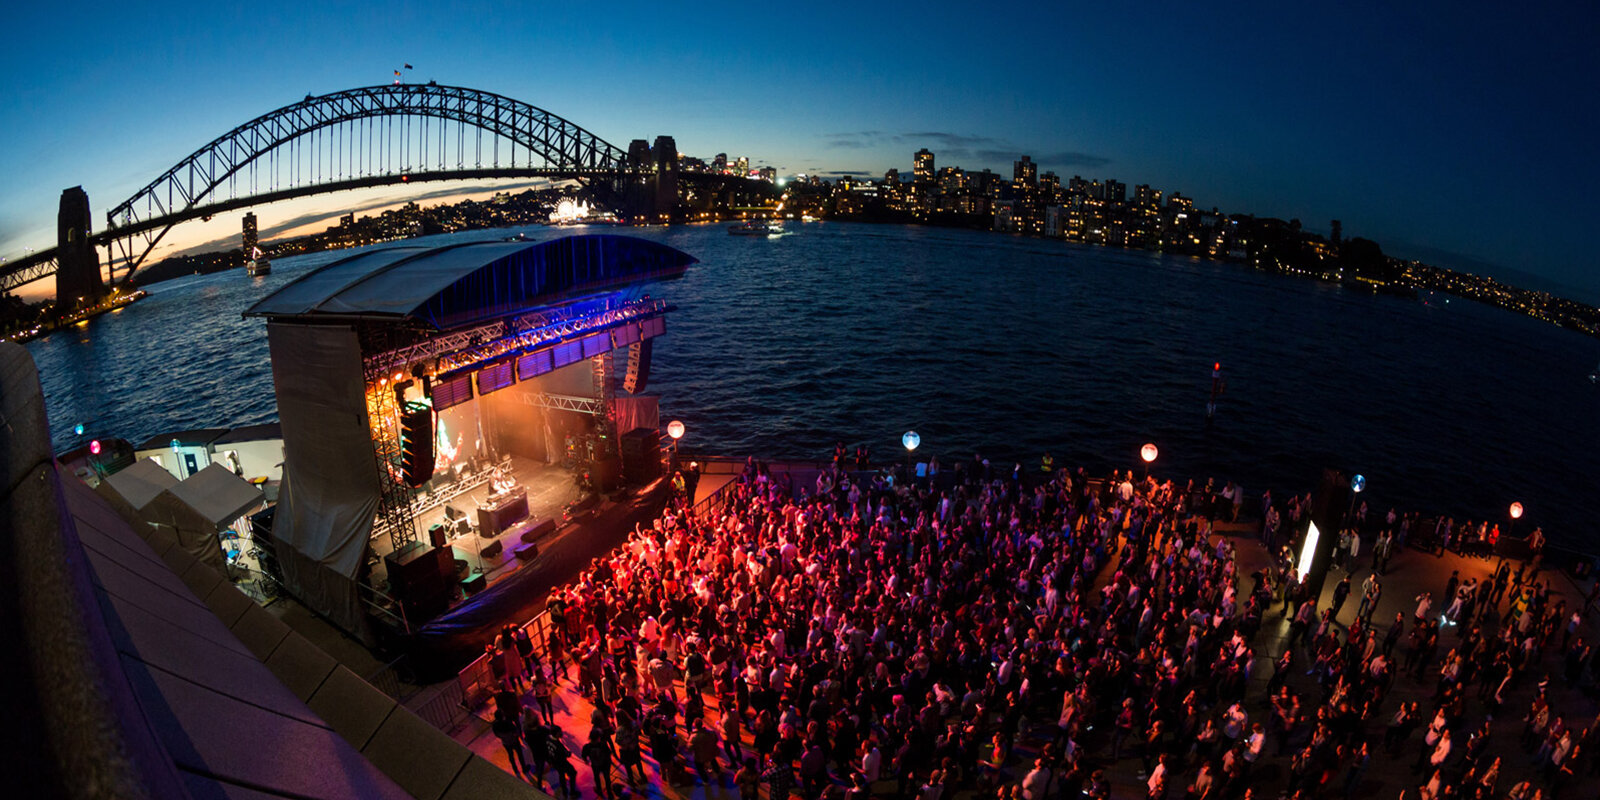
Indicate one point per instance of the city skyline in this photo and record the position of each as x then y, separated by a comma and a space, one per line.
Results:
1409, 126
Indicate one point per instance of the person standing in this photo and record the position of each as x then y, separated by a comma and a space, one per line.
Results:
598, 753
1340, 592
508, 729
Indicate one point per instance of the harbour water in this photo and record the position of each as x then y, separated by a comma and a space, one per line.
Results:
999, 345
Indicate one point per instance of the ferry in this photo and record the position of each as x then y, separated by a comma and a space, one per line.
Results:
756, 227
258, 264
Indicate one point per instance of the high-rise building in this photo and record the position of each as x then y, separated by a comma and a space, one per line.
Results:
892, 177
769, 174
742, 166
1338, 231
1116, 191
922, 166
1025, 173
1078, 186
719, 164
1143, 195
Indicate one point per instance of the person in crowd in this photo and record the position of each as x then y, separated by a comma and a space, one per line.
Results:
852, 632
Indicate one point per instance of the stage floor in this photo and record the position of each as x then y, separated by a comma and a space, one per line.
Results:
550, 488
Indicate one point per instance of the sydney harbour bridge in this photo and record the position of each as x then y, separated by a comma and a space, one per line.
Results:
353, 139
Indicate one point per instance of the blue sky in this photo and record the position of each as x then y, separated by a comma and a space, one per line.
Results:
1455, 132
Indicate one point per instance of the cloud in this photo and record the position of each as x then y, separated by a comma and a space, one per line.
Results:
314, 217
954, 147
855, 141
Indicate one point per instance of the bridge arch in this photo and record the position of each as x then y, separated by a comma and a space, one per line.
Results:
190, 188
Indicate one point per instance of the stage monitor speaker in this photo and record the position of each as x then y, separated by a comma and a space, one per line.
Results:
492, 549
638, 374
542, 529
436, 534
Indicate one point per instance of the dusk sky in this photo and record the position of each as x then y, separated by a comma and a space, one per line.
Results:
1459, 133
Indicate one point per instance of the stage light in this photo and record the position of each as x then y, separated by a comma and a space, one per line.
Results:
1516, 511
1148, 452
675, 429
1307, 551
911, 440
398, 376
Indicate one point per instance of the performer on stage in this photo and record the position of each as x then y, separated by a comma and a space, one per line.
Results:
501, 483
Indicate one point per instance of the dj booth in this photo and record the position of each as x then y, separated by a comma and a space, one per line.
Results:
502, 512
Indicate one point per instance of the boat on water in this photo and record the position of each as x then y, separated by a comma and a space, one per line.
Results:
1594, 377
756, 227
258, 264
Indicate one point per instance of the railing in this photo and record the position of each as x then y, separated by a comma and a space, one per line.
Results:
380, 604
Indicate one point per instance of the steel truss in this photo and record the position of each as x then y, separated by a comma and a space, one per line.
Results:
593, 406
397, 513
475, 345
189, 188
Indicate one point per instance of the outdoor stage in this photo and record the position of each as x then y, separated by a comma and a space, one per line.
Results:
549, 488
470, 387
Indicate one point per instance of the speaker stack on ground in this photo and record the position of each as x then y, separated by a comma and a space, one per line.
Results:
641, 455
423, 578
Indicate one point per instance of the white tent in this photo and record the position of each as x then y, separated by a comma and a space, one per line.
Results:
201, 506
142, 482
219, 495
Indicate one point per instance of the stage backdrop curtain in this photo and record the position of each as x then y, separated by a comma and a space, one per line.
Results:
637, 412
330, 482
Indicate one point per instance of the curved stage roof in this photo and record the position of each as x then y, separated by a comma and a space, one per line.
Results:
463, 284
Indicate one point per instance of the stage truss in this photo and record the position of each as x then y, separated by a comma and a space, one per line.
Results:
392, 354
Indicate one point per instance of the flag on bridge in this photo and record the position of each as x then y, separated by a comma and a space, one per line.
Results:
408, 66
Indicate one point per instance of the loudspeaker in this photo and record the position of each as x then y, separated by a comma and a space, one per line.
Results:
492, 549
422, 578
527, 552
542, 529
416, 444
606, 473
474, 583
436, 534
641, 455
638, 374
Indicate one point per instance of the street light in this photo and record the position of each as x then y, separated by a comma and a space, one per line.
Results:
675, 429
1148, 453
1358, 482
1516, 511
911, 440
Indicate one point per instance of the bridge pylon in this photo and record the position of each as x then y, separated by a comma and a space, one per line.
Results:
78, 280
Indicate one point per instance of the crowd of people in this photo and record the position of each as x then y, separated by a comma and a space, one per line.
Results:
1018, 635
